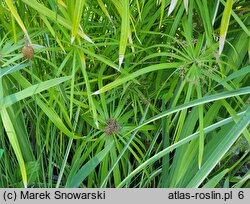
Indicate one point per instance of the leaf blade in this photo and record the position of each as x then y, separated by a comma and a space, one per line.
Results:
224, 24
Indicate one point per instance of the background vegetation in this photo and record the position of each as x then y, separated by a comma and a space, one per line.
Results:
124, 93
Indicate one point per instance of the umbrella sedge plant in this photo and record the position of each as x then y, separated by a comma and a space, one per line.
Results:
118, 93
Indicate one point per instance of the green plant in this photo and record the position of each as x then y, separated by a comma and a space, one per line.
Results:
118, 93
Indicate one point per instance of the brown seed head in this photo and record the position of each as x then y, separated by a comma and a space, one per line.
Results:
112, 126
28, 51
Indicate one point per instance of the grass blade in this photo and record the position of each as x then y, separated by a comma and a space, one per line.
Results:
53, 116
90, 97
11, 133
201, 126
17, 17
9, 70
224, 24
76, 18
105, 11
171, 148
30, 91
145, 70
216, 179
124, 30
88, 167
163, 4
1, 153
197, 102
57, 18
249, 48
221, 149
50, 112
124, 149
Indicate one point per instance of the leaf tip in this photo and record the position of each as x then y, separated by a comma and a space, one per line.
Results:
72, 39
121, 57
96, 93
169, 12
186, 6
88, 39
221, 44
97, 124
172, 6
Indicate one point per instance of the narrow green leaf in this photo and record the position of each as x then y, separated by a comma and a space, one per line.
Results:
237, 18
52, 31
1, 153
145, 70
76, 18
233, 113
201, 126
86, 78
53, 116
125, 148
224, 24
205, 99
220, 150
17, 17
30, 91
88, 167
163, 4
72, 87
172, 147
9, 70
216, 179
243, 180
11, 133
245, 71
139, 8
66, 154
50, 112
99, 57
50, 14
105, 11
124, 30
205, 15
215, 11
249, 48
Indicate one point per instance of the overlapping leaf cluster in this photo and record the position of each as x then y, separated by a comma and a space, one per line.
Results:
123, 93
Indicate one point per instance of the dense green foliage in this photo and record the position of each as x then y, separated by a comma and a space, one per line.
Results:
124, 93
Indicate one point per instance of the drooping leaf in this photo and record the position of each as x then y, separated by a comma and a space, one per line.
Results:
30, 91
